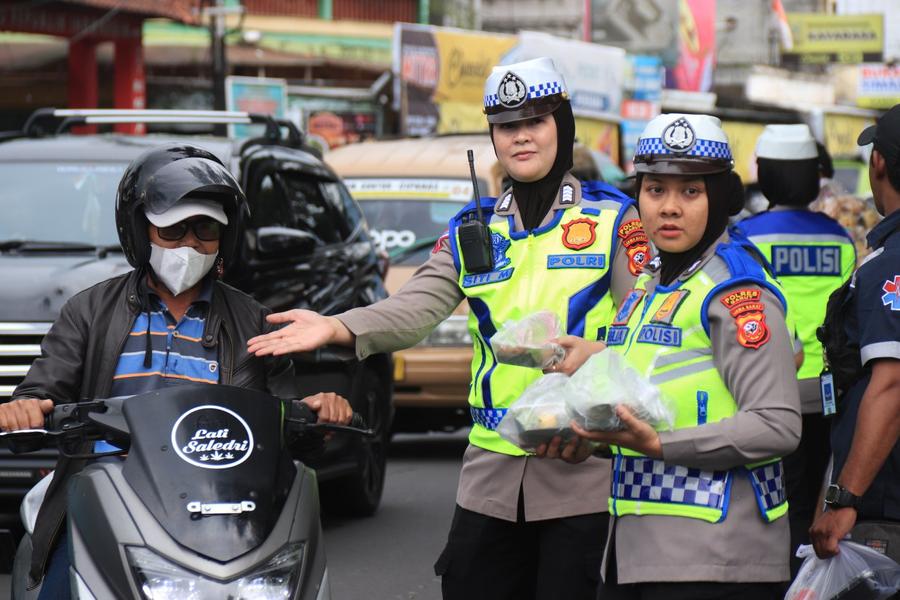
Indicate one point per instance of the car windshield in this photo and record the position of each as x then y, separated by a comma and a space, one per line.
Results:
397, 225
59, 202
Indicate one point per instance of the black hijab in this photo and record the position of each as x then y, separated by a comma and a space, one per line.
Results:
789, 182
535, 198
726, 197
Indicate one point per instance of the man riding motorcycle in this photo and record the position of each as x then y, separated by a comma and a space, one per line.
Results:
170, 321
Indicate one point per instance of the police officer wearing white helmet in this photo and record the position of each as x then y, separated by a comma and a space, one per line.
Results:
699, 511
812, 255
523, 527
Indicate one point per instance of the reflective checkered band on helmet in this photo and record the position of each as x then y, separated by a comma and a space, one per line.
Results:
701, 148
534, 91
492, 100
544, 89
768, 481
489, 418
641, 478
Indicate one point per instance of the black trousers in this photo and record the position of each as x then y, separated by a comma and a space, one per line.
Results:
492, 559
804, 470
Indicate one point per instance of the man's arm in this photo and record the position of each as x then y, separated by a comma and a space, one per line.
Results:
876, 433
877, 427
55, 376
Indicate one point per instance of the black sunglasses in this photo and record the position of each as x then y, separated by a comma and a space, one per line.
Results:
205, 230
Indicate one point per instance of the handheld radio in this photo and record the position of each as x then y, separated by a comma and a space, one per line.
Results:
474, 234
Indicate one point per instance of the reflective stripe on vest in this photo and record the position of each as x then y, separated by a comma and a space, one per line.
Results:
686, 374
563, 267
644, 485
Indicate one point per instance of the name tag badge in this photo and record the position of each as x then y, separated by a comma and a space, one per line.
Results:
826, 386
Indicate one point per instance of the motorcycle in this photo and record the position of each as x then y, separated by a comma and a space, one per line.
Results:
206, 503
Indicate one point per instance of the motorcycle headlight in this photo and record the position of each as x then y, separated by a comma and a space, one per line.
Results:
452, 332
160, 579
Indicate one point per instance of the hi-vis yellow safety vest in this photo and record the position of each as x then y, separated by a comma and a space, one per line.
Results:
665, 336
812, 255
563, 267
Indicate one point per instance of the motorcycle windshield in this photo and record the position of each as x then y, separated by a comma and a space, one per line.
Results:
209, 463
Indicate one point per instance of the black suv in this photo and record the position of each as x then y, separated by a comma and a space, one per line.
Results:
306, 246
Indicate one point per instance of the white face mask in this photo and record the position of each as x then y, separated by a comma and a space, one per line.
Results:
180, 268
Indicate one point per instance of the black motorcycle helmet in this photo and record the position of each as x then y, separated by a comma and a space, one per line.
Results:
160, 178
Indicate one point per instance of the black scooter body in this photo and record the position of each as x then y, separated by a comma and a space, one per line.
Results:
208, 485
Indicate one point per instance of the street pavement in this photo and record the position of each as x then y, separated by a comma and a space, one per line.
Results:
391, 555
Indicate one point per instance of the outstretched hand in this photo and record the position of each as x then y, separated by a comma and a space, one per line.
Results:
306, 330
638, 435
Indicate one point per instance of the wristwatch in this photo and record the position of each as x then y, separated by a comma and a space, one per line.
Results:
838, 497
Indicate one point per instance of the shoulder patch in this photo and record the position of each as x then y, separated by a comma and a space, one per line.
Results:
732, 299
891, 295
504, 204
748, 312
629, 227
440, 242
637, 245
568, 195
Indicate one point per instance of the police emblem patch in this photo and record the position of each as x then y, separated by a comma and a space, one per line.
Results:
749, 316
751, 329
637, 245
500, 245
679, 136
891, 295
512, 91
579, 233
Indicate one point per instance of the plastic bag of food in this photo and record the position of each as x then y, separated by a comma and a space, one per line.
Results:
538, 415
526, 342
605, 381
856, 573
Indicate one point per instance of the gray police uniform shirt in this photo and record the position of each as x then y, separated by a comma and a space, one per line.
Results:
742, 548
489, 482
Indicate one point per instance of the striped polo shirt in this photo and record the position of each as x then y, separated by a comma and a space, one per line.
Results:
179, 357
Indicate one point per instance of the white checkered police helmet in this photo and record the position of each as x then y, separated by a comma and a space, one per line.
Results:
677, 144
523, 90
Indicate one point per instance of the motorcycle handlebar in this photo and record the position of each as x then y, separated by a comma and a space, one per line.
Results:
302, 418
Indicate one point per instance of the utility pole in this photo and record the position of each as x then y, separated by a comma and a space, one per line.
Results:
217, 52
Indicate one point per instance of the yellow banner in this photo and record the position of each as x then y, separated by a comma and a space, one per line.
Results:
461, 117
466, 60
599, 135
841, 132
816, 33
742, 139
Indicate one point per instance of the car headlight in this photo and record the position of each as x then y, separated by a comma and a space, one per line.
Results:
160, 579
452, 332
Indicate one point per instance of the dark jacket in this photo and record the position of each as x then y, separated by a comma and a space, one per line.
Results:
79, 356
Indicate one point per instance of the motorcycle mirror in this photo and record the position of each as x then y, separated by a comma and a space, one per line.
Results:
278, 241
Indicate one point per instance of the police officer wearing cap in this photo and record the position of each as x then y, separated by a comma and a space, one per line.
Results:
811, 255
524, 527
699, 511
862, 351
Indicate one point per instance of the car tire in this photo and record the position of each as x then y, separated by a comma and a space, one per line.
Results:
359, 493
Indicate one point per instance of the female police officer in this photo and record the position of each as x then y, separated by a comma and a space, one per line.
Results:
698, 510
554, 247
